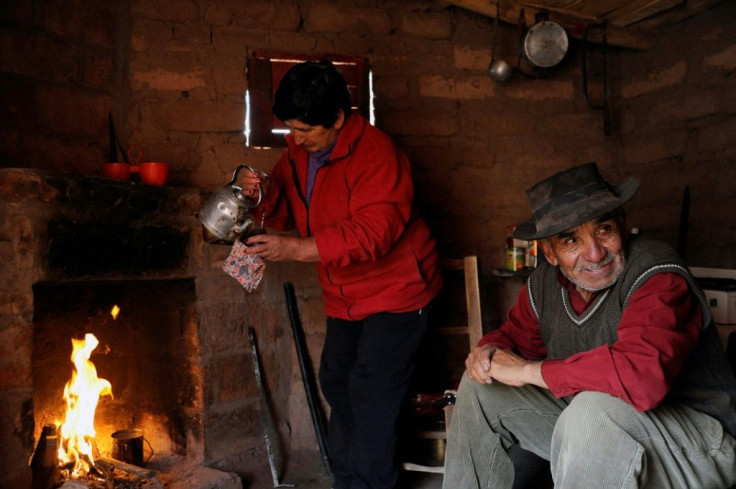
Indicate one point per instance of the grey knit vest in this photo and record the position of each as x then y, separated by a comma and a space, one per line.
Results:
706, 381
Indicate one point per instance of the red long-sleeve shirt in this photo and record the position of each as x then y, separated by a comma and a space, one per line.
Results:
658, 330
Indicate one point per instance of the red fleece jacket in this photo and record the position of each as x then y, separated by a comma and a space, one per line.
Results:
376, 254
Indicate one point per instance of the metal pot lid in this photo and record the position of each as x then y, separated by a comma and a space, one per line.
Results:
545, 44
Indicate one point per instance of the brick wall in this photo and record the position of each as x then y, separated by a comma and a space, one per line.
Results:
676, 127
172, 74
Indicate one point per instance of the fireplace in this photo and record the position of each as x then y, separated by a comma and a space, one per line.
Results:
147, 352
73, 247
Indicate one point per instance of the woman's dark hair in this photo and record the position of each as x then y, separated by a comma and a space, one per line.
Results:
312, 93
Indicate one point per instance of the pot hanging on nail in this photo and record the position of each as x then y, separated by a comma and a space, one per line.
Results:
541, 47
545, 45
499, 70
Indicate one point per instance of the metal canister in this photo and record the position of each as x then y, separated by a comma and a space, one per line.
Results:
515, 258
515, 254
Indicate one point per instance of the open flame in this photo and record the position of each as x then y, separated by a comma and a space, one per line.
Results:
81, 394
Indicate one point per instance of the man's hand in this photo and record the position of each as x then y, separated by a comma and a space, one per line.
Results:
487, 363
478, 364
510, 369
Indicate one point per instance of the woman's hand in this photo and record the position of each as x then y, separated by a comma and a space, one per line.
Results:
251, 182
280, 247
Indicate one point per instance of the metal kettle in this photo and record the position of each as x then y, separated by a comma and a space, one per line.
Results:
226, 214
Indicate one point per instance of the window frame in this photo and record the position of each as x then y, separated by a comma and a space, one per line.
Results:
265, 69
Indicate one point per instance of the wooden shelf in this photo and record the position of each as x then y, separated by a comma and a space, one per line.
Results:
504, 273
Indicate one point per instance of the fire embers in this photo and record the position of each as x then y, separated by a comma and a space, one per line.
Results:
81, 393
66, 450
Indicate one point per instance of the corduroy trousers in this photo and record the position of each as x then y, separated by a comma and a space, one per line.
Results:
592, 440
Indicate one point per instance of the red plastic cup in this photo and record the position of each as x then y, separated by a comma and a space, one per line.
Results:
116, 171
153, 172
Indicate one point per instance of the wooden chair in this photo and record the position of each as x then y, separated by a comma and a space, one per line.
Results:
472, 328
468, 266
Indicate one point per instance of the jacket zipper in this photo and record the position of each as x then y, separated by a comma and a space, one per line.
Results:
295, 177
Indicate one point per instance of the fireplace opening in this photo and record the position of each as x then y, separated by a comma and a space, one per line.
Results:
148, 353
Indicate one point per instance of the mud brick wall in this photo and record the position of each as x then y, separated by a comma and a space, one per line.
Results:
173, 76
172, 73
676, 128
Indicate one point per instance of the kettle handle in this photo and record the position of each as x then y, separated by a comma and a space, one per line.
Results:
239, 189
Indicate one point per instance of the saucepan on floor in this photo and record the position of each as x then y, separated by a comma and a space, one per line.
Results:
127, 446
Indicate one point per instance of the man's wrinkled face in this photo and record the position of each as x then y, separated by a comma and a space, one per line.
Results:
590, 255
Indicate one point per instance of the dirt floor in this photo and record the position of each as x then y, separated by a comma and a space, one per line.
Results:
306, 471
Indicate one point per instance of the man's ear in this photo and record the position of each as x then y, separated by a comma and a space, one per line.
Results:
548, 251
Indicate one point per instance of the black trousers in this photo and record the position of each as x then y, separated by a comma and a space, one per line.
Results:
365, 373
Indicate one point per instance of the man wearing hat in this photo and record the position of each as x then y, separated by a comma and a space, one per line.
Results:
609, 365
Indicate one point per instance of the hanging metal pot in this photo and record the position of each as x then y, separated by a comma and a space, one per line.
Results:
541, 47
545, 44
499, 70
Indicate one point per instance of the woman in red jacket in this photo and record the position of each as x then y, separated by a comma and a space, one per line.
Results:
347, 190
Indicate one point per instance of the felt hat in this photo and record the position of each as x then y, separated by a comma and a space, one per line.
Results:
572, 197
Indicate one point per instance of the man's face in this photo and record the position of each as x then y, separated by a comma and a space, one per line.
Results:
314, 138
589, 255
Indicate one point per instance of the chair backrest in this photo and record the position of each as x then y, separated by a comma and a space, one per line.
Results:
456, 326
474, 327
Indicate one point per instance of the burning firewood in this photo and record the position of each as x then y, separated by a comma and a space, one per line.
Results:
148, 478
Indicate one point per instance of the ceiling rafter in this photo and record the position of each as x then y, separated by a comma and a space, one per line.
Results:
629, 23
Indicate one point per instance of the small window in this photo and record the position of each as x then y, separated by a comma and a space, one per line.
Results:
265, 70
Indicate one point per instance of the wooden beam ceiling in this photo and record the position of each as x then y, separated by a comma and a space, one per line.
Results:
629, 23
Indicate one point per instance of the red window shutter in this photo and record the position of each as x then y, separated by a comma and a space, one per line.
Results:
278, 70
261, 110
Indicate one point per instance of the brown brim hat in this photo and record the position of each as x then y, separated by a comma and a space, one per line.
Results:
572, 197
